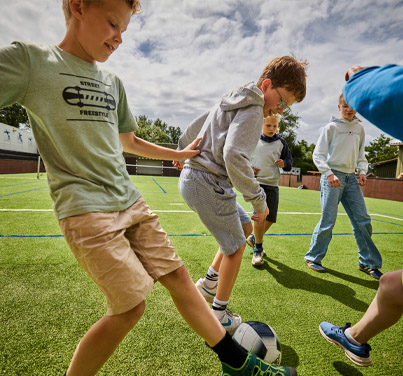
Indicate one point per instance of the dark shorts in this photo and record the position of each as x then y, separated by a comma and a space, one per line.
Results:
272, 197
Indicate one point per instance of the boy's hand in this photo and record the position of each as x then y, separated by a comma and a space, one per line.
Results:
362, 180
260, 217
334, 181
178, 165
255, 170
190, 150
279, 163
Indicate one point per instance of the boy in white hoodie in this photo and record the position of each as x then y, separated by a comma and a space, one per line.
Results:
338, 153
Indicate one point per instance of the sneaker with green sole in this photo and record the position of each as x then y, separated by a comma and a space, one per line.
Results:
254, 366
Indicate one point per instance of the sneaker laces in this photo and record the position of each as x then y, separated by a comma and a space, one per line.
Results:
348, 325
229, 313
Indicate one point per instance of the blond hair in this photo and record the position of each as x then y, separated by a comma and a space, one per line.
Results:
286, 72
276, 117
135, 6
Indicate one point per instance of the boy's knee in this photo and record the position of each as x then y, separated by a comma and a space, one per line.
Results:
390, 286
179, 274
130, 318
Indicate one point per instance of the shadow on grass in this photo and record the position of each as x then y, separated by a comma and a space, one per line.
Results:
289, 357
296, 279
346, 369
371, 284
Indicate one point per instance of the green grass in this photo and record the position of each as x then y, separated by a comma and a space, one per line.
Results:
47, 302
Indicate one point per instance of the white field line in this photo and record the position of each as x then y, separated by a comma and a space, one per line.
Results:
190, 211
17, 178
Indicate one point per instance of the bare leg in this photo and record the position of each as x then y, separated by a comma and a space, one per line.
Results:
260, 231
384, 311
99, 343
217, 261
228, 273
247, 230
192, 306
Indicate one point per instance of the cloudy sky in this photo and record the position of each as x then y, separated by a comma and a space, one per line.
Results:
180, 56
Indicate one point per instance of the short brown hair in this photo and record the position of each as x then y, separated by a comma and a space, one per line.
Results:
286, 72
341, 98
135, 5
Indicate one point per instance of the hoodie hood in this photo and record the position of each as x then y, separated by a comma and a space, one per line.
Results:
334, 119
242, 97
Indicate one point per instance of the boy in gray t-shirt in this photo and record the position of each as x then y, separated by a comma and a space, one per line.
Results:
81, 122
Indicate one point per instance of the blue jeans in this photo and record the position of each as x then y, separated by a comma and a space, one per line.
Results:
352, 199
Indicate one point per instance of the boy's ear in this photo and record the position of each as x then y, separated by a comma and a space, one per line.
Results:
266, 84
76, 8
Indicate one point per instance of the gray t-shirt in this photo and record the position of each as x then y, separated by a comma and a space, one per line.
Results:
77, 110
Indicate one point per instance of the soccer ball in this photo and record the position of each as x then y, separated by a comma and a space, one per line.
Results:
260, 339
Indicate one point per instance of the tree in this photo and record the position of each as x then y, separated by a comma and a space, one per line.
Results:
156, 131
14, 115
381, 150
300, 151
303, 156
174, 133
288, 126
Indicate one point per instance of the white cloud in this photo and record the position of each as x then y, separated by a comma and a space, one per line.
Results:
179, 57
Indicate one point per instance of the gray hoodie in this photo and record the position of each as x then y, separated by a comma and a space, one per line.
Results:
230, 131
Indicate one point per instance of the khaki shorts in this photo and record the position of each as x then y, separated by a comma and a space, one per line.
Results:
123, 252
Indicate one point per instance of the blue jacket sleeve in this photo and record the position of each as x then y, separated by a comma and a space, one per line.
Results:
286, 156
376, 93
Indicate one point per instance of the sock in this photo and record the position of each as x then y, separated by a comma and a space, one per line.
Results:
211, 278
259, 245
350, 338
230, 352
219, 307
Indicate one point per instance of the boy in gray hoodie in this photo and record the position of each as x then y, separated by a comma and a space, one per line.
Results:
230, 132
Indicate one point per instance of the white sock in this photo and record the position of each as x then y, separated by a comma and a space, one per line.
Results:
350, 338
211, 278
219, 307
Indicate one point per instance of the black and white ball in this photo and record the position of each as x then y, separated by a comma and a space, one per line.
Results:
261, 339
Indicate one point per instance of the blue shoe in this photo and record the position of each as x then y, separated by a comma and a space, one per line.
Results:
315, 266
250, 241
357, 354
374, 273
254, 366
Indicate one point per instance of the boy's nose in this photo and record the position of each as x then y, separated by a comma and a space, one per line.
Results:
118, 38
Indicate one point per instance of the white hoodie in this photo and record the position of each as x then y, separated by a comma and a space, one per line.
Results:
341, 147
